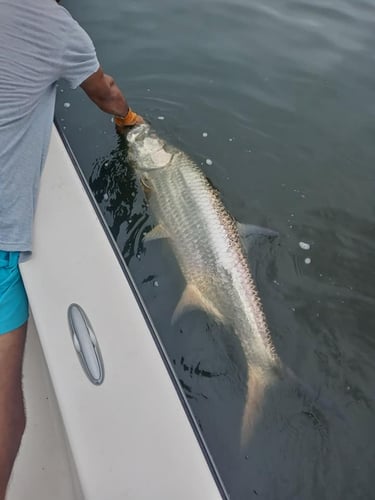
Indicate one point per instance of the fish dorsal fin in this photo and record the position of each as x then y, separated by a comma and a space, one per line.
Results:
192, 299
156, 233
249, 233
249, 230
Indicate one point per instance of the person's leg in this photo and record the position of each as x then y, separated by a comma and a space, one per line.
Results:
14, 312
12, 413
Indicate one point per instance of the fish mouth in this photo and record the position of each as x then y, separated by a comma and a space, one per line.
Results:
138, 133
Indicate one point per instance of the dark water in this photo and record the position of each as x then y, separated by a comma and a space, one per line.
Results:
285, 91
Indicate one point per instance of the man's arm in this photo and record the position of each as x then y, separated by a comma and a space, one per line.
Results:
102, 89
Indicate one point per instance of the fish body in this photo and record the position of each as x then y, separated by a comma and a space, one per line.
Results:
210, 253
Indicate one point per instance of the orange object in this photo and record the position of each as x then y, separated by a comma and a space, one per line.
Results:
128, 120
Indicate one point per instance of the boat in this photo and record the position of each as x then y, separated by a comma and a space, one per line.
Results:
106, 416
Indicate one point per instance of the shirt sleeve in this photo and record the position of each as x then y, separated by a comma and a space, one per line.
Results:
79, 60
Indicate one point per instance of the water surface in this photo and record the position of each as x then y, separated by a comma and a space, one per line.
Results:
284, 91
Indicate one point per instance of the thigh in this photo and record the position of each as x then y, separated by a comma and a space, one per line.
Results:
13, 320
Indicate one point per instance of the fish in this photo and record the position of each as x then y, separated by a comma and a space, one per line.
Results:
210, 252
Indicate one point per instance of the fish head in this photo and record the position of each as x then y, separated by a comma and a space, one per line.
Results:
147, 151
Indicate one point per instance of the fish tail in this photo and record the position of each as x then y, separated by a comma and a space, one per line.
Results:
256, 386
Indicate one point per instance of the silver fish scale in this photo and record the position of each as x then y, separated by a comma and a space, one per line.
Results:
208, 249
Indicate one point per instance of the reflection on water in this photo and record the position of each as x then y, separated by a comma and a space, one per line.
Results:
283, 92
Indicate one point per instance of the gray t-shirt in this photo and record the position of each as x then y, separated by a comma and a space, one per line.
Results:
39, 44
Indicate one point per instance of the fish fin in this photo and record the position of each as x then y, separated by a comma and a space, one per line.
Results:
147, 188
250, 234
251, 231
192, 299
256, 385
157, 233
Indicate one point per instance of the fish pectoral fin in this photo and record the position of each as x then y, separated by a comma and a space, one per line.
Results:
192, 299
146, 187
156, 233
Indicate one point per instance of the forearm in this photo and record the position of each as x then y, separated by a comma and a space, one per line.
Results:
113, 101
104, 92
102, 89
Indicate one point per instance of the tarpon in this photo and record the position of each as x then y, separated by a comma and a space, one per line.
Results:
207, 244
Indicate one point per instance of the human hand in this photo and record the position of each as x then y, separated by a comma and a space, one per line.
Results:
123, 122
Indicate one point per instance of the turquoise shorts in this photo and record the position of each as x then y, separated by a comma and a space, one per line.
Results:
14, 306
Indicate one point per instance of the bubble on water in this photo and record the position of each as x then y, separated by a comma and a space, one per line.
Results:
138, 256
304, 245
61, 90
156, 283
161, 117
148, 90
67, 105
105, 197
204, 134
307, 260
209, 161
230, 139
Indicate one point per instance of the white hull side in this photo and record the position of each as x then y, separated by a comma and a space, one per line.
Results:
43, 469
